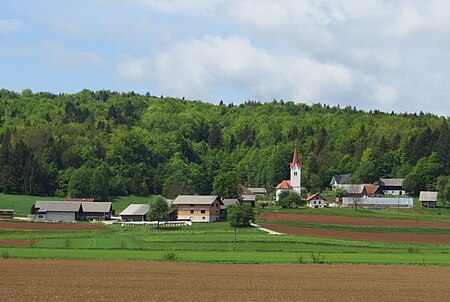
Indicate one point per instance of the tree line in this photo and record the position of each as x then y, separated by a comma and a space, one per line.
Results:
105, 143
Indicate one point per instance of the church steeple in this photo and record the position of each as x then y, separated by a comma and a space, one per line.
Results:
296, 173
295, 159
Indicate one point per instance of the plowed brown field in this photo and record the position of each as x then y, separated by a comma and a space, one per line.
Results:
41, 226
91, 280
18, 243
366, 236
346, 220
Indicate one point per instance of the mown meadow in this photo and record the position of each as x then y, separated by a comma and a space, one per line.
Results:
215, 243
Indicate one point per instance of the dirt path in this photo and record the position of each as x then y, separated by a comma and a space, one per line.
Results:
381, 237
41, 226
91, 280
346, 220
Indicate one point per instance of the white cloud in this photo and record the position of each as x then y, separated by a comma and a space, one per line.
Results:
195, 69
63, 56
132, 69
8, 26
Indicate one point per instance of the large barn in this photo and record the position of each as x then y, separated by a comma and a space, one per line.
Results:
68, 211
198, 208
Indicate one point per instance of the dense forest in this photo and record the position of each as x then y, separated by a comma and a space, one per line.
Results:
106, 143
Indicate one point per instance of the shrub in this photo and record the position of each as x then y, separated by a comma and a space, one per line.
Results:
300, 259
5, 255
170, 255
240, 215
412, 249
288, 199
318, 258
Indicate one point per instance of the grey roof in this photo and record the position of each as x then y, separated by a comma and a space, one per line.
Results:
57, 206
428, 196
227, 202
248, 197
352, 189
380, 201
98, 207
394, 182
71, 206
135, 210
341, 179
196, 199
258, 190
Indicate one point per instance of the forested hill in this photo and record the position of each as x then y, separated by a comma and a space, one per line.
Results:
106, 143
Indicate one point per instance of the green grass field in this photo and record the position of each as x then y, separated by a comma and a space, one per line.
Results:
214, 242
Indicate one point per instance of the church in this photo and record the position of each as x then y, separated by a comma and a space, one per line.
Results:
294, 184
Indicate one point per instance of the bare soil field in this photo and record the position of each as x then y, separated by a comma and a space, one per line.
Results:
91, 280
366, 236
42, 226
356, 221
18, 243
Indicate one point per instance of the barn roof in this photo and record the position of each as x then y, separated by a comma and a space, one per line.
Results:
135, 210
57, 206
258, 190
97, 207
428, 196
391, 182
72, 206
227, 202
353, 189
196, 199
248, 197
246, 191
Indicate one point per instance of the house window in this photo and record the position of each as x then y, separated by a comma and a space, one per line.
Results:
192, 205
203, 217
192, 211
295, 173
203, 211
217, 205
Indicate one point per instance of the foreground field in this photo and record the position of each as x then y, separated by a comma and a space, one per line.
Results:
90, 280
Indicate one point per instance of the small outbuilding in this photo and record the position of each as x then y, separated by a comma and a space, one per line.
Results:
428, 199
315, 201
135, 212
7, 213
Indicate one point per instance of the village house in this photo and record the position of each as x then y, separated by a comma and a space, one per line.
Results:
198, 208
315, 201
68, 211
248, 197
428, 199
392, 186
226, 203
293, 184
135, 212
339, 180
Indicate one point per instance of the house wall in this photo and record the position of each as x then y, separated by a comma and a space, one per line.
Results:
428, 204
278, 192
60, 216
316, 203
194, 212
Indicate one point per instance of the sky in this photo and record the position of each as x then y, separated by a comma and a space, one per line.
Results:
373, 54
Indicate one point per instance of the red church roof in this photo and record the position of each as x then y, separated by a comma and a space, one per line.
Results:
295, 159
285, 184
